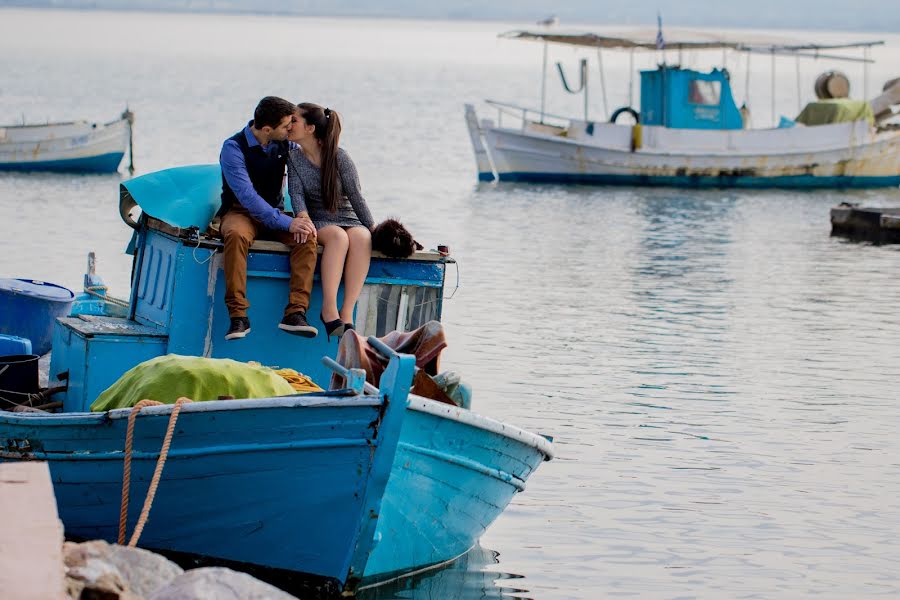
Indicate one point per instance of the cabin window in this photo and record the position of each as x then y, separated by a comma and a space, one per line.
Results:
707, 93
383, 308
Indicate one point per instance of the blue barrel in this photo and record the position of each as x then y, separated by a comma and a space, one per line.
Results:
29, 308
13, 344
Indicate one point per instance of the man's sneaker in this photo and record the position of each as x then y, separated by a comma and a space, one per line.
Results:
296, 323
240, 326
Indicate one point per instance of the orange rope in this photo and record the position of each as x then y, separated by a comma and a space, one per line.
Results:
157, 473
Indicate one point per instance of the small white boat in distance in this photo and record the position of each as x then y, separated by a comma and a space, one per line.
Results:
687, 129
78, 146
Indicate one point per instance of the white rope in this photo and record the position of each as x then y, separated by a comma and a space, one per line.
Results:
29, 397
194, 254
453, 293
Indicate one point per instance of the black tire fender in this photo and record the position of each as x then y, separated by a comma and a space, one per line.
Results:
622, 110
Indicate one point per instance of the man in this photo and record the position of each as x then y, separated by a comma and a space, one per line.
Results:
253, 162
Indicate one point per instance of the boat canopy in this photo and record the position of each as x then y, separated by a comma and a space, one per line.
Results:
183, 197
685, 39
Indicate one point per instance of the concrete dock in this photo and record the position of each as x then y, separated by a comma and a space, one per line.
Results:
31, 534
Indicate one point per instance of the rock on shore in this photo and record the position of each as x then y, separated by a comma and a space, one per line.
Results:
97, 570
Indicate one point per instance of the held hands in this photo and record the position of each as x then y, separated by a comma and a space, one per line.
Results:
302, 228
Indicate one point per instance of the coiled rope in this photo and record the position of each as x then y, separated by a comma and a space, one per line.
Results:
92, 290
154, 482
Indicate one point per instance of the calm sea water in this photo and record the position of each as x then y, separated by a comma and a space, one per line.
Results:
720, 376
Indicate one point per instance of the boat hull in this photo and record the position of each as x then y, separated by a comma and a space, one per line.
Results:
66, 147
453, 474
287, 483
843, 155
705, 181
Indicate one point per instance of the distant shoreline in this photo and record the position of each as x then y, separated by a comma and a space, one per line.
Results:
887, 28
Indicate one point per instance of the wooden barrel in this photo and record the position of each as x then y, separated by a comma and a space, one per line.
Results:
832, 84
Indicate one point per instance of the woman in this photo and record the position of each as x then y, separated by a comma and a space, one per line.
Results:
323, 182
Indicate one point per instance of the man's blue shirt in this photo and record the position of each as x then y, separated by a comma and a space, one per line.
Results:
234, 168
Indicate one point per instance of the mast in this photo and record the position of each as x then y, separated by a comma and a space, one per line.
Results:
544, 84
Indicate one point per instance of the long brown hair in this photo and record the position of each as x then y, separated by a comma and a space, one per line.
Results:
328, 131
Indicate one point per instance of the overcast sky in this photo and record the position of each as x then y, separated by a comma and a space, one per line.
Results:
860, 15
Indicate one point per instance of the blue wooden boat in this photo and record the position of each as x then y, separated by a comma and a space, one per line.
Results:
285, 483
451, 474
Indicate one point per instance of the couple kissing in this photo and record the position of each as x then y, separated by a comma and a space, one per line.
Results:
327, 204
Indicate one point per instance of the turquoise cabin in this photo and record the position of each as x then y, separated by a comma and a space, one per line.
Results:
687, 99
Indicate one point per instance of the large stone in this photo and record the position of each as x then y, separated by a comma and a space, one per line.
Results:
91, 574
218, 583
142, 570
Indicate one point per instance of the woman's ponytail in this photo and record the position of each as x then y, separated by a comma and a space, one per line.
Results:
331, 191
328, 131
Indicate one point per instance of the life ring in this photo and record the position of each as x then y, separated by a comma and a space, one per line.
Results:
625, 109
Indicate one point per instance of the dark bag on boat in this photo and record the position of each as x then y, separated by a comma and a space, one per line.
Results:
393, 240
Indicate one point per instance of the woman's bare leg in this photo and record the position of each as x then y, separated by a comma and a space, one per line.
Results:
356, 267
335, 242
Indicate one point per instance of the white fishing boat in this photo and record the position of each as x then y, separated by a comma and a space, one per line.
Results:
688, 129
77, 146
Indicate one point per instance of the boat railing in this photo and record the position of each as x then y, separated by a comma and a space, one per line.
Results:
356, 378
523, 113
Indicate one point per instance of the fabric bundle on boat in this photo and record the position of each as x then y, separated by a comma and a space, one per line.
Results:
167, 378
425, 343
836, 110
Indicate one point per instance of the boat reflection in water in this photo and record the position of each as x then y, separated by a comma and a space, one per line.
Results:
473, 575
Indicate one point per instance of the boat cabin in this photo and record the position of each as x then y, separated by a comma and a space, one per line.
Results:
177, 295
680, 98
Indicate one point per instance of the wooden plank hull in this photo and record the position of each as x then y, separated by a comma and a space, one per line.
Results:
454, 473
287, 483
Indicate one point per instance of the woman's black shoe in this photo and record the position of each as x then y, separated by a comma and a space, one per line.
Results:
333, 328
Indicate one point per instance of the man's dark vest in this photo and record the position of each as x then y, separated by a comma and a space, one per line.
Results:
266, 172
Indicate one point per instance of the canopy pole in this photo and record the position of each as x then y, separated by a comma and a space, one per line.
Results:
747, 82
584, 79
603, 85
631, 78
544, 84
799, 101
773, 86
865, 72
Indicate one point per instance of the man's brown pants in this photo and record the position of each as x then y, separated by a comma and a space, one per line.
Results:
239, 230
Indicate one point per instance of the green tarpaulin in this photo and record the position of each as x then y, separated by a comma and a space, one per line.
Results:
842, 110
168, 378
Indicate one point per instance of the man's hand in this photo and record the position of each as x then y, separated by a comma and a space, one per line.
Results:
302, 228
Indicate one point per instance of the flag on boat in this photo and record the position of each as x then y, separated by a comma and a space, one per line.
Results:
660, 42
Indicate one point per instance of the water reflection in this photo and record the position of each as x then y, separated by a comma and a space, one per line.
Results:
473, 575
